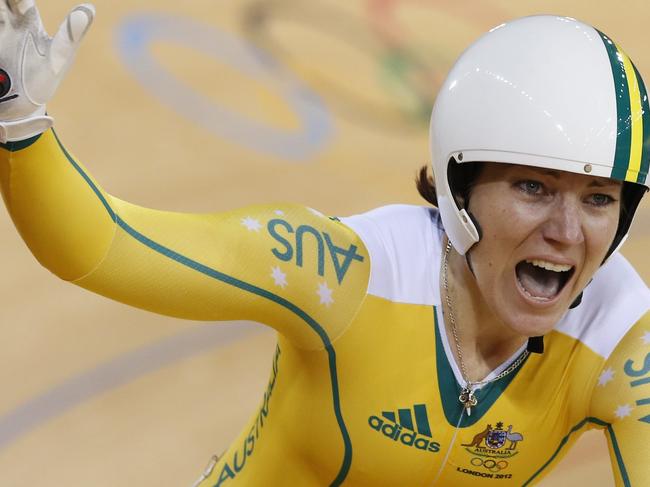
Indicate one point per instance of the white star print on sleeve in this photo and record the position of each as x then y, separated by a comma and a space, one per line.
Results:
606, 376
251, 224
623, 411
646, 338
325, 294
279, 277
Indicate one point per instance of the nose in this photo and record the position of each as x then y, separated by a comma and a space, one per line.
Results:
564, 223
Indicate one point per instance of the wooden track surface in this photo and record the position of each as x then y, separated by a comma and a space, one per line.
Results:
99, 394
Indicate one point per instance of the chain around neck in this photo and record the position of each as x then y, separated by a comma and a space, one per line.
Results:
469, 385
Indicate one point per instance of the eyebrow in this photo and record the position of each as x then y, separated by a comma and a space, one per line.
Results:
601, 183
552, 173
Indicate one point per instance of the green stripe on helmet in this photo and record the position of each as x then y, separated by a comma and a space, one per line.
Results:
624, 115
645, 107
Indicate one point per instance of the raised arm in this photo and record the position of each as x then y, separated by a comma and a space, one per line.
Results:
621, 405
283, 265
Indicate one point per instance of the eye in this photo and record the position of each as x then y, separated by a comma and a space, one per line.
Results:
600, 199
530, 186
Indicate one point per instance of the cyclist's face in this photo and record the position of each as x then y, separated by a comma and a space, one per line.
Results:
544, 235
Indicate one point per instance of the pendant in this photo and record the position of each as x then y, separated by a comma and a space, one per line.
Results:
468, 399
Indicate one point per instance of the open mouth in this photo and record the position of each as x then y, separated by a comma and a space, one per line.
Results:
542, 280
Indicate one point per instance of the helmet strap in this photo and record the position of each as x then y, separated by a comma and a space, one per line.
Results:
480, 236
469, 263
535, 344
576, 301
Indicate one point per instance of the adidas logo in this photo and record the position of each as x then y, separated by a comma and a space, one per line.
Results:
402, 428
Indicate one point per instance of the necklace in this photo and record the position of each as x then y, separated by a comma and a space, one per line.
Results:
467, 397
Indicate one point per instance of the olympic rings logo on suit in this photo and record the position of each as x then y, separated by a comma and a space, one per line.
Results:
490, 464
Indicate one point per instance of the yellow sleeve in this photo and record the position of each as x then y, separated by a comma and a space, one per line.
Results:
283, 265
621, 404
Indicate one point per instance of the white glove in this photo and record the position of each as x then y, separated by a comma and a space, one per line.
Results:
32, 64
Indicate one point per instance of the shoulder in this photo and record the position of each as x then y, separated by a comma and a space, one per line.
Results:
615, 300
404, 246
621, 388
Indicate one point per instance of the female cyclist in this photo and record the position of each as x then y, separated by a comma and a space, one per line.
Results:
464, 345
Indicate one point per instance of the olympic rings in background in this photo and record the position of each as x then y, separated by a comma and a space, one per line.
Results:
489, 463
408, 72
138, 32
408, 75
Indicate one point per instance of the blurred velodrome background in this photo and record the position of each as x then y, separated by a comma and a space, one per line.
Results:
201, 106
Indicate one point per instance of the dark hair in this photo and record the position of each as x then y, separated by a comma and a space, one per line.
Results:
461, 179
426, 186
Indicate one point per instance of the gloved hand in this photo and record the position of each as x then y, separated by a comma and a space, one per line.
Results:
32, 64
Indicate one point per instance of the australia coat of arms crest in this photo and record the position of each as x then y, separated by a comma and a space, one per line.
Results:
493, 447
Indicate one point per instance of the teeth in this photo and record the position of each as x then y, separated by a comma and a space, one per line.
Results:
549, 266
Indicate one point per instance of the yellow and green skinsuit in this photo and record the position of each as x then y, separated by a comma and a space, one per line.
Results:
364, 388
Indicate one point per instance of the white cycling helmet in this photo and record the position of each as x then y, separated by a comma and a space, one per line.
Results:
542, 91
